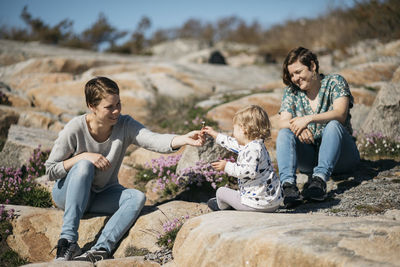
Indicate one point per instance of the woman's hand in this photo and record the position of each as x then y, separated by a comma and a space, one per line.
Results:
193, 138
210, 131
298, 124
98, 160
219, 165
306, 136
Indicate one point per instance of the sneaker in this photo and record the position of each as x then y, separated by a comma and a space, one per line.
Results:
291, 195
66, 250
315, 189
212, 204
93, 255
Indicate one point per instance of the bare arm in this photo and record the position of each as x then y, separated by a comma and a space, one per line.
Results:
284, 119
193, 138
339, 113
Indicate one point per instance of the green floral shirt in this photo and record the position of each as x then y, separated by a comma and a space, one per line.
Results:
296, 103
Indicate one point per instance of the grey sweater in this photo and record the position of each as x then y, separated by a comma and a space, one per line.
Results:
75, 139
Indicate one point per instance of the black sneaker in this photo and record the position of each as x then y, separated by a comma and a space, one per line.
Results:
291, 195
66, 250
212, 204
315, 189
93, 255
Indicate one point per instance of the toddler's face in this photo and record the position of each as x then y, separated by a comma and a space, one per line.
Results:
239, 134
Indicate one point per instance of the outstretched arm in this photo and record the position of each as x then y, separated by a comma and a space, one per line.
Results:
193, 138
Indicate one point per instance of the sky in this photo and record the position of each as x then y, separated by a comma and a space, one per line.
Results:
164, 14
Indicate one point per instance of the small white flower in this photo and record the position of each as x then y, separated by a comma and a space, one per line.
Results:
376, 151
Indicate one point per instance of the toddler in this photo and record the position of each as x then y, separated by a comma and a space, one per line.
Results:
259, 187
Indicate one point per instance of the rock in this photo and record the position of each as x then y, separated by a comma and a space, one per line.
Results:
61, 264
127, 262
253, 239
359, 113
216, 57
45, 182
396, 76
8, 116
144, 232
363, 96
29, 81
208, 153
243, 59
178, 48
54, 98
21, 142
393, 214
384, 115
143, 156
14, 98
367, 73
153, 196
224, 113
37, 230
126, 176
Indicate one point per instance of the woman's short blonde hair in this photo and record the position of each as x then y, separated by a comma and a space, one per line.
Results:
254, 121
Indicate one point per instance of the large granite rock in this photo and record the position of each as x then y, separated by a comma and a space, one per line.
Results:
384, 115
231, 238
368, 73
144, 232
208, 153
36, 230
125, 262
224, 113
21, 142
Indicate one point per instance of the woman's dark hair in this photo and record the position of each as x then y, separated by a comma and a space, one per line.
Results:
97, 88
305, 56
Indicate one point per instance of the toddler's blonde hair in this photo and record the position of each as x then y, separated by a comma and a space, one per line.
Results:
254, 121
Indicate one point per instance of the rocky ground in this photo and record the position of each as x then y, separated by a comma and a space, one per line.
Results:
371, 190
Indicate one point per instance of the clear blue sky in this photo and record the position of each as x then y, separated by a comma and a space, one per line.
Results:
125, 14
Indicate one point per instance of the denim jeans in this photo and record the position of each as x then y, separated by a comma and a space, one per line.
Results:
73, 194
337, 153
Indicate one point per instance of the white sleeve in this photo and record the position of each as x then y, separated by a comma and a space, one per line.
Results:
228, 142
247, 166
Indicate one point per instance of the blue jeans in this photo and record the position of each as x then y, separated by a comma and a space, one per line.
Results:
73, 194
337, 153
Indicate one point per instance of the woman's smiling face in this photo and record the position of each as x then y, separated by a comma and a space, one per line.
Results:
301, 75
108, 110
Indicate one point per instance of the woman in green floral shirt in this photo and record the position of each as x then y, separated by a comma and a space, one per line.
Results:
315, 130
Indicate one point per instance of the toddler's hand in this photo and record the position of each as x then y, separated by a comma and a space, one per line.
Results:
219, 165
210, 131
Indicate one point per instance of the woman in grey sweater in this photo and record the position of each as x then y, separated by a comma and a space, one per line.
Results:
85, 161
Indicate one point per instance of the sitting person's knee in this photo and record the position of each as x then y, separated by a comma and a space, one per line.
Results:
135, 196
